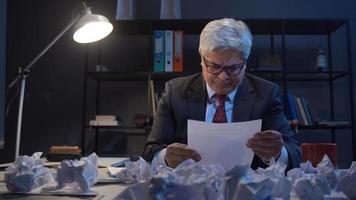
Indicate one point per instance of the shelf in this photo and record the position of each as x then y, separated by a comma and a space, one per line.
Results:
165, 76
136, 76
271, 75
129, 130
118, 76
322, 127
257, 26
300, 75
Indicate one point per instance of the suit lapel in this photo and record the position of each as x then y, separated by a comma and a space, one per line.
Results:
197, 96
244, 101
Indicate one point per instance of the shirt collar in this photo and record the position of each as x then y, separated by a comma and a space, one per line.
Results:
211, 93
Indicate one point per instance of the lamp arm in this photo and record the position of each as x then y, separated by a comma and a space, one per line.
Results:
28, 67
23, 73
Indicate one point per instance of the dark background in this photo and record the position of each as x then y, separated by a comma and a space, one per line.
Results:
2, 68
54, 94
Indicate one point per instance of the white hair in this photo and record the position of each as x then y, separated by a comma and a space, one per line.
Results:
226, 33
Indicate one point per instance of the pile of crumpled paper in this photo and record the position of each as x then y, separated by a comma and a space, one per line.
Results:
304, 183
73, 176
324, 181
191, 180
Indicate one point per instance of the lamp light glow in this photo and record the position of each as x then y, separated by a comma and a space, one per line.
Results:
92, 32
91, 28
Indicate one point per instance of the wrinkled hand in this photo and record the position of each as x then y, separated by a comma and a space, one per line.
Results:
176, 153
266, 144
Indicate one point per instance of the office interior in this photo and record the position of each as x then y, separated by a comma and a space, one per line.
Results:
61, 97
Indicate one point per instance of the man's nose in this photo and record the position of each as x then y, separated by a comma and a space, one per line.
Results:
223, 75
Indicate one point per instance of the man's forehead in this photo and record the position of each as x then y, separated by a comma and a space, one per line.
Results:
223, 57
225, 52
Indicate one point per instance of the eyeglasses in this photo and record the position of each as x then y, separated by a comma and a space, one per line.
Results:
230, 70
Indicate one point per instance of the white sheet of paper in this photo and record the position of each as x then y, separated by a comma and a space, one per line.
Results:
223, 143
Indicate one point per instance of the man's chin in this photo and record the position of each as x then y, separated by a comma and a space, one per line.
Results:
226, 90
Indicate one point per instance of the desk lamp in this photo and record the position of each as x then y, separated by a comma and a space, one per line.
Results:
87, 28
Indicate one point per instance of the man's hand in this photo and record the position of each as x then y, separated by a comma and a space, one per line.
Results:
266, 144
176, 153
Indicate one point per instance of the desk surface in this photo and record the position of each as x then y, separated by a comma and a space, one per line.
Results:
106, 191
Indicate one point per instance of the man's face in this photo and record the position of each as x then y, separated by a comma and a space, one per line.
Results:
228, 79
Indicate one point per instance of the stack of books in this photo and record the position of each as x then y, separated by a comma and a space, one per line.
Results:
299, 113
298, 110
104, 120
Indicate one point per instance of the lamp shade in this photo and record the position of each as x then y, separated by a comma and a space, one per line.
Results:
91, 28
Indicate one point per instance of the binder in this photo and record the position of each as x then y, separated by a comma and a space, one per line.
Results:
158, 57
178, 51
168, 51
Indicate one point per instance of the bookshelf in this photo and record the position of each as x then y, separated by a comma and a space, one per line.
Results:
269, 27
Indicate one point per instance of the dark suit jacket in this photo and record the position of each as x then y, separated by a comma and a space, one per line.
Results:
186, 97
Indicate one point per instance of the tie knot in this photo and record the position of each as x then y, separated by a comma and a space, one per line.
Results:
221, 98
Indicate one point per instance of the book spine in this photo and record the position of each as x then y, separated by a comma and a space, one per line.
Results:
168, 51
103, 123
178, 51
307, 110
299, 114
291, 107
302, 111
158, 57
105, 117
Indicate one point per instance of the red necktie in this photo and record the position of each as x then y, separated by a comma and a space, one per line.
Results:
220, 114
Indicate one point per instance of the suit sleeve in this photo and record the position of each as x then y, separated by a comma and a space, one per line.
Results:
163, 128
274, 119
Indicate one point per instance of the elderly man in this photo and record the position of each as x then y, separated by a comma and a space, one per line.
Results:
222, 93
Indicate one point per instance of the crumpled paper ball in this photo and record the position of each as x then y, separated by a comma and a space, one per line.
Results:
269, 183
78, 174
135, 172
347, 181
27, 173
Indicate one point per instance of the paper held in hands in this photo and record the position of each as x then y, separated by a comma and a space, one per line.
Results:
223, 143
